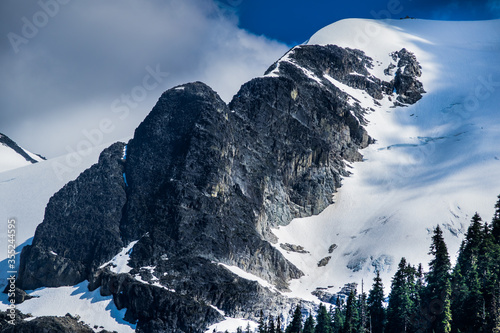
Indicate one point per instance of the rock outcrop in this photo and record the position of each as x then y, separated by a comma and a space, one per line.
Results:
406, 83
200, 187
47, 324
81, 227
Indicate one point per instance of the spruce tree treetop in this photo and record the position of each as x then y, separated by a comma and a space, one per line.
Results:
296, 324
271, 328
401, 301
309, 324
438, 290
440, 265
376, 311
323, 321
495, 225
339, 316
351, 322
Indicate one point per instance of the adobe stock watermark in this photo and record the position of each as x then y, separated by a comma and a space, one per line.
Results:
483, 89
226, 8
31, 26
11, 270
122, 107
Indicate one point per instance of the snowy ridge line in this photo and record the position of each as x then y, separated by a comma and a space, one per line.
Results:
355, 95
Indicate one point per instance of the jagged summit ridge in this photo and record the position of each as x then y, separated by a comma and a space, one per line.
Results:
12, 156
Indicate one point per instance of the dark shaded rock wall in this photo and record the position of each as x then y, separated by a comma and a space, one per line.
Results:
80, 228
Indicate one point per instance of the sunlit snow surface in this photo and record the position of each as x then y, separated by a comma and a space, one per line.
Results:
78, 300
436, 162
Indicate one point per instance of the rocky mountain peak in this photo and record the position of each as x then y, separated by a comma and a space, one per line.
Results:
201, 186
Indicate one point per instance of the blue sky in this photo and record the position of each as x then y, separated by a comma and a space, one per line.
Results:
293, 21
68, 65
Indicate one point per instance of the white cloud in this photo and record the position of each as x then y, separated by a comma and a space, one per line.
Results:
64, 79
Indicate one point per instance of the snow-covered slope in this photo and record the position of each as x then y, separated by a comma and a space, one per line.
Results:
435, 162
12, 156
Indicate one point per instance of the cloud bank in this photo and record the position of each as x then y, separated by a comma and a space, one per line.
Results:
70, 65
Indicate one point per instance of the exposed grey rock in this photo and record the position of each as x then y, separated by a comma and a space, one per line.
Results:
49, 324
406, 83
332, 248
382, 263
293, 248
323, 262
325, 296
19, 295
356, 263
81, 227
347, 288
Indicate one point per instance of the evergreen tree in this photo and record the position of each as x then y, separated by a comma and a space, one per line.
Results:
296, 324
493, 305
418, 288
351, 322
488, 271
401, 301
495, 224
339, 316
278, 325
438, 289
376, 311
331, 313
467, 308
309, 324
248, 329
262, 324
270, 325
323, 320
239, 329
363, 311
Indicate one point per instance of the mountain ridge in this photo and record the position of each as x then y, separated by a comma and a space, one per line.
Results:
203, 182
13, 156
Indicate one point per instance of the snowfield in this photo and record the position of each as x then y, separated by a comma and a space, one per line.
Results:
435, 162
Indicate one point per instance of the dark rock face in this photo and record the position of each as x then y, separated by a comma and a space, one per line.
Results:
19, 295
205, 183
42, 324
81, 227
407, 86
181, 190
